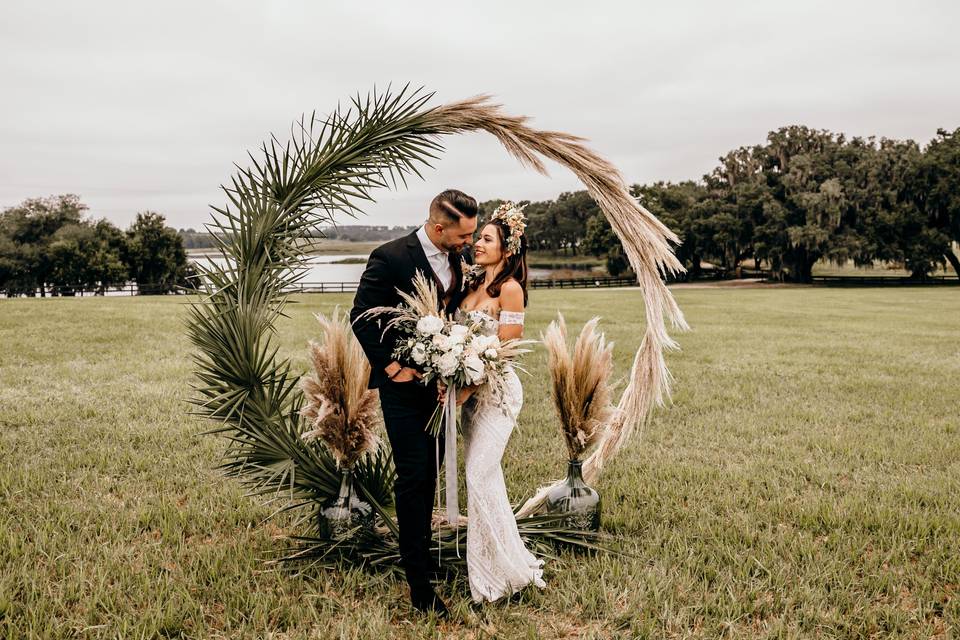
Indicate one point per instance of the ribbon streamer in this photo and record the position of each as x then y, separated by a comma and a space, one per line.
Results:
450, 461
450, 465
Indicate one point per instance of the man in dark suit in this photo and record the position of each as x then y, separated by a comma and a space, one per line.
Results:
435, 249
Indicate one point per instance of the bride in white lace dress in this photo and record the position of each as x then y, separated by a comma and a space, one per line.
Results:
498, 563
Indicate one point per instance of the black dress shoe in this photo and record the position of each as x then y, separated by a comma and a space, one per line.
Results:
425, 601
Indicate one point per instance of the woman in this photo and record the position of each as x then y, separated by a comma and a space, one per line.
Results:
498, 563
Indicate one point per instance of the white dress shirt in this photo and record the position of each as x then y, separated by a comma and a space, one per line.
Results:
438, 259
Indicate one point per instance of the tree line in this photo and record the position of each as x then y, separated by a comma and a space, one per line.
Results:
47, 247
803, 196
193, 239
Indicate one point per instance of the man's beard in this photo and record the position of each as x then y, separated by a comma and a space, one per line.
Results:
455, 248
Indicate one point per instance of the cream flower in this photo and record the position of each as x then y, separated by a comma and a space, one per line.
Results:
447, 364
474, 368
429, 325
418, 353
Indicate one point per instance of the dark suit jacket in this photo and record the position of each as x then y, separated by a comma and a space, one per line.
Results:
392, 266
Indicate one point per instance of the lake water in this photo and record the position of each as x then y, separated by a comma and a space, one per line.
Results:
324, 268
320, 268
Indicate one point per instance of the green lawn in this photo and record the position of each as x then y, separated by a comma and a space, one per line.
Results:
805, 482
824, 268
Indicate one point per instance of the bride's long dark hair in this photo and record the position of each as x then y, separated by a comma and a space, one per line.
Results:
515, 266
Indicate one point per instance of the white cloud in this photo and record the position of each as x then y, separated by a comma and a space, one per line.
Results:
146, 106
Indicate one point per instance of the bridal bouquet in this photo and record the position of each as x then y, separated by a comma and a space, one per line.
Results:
457, 353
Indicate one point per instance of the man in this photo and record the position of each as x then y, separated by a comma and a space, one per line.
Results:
407, 404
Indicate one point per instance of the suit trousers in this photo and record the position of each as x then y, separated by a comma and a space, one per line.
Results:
407, 407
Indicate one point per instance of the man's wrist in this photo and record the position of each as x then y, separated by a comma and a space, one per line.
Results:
393, 369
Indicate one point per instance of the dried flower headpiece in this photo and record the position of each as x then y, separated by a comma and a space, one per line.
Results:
511, 215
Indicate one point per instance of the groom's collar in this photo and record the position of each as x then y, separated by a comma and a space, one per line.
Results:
429, 249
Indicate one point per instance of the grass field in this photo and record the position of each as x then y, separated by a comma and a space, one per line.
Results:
805, 482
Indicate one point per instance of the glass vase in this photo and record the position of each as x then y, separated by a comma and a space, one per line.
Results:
341, 516
575, 498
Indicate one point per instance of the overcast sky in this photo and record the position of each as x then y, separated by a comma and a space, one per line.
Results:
145, 106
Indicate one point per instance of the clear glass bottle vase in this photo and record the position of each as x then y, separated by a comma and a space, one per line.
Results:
341, 516
575, 498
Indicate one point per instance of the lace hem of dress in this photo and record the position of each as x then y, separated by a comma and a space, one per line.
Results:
511, 317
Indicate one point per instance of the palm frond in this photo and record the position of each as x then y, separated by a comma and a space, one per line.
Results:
544, 534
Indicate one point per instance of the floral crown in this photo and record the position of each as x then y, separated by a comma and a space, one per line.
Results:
511, 215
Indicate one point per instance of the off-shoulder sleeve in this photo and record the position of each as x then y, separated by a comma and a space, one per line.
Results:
511, 317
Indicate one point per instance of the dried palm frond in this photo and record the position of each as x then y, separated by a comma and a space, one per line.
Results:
340, 410
542, 534
581, 384
646, 240
511, 349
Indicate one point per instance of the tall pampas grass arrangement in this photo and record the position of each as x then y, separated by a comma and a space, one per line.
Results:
581, 384
339, 409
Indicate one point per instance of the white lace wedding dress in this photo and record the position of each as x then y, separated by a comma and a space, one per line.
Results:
498, 563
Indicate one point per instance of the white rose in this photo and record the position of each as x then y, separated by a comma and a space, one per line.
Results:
491, 354
429, 325
447, 364
449, 342
473, 366
459, 330
419, 353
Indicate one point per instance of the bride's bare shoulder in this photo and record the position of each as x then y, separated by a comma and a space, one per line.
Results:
510, 285
511, 295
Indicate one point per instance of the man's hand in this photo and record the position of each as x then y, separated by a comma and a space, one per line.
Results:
398, 373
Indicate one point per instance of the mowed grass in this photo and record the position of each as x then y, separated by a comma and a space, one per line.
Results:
804, 483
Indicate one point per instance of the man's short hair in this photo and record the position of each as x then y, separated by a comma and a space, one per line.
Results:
451, 205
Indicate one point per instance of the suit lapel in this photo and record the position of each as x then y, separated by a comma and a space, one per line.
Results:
417, 255
457, 293
455, 266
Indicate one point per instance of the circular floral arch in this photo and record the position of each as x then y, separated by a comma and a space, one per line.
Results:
327, 168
